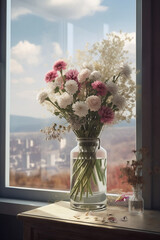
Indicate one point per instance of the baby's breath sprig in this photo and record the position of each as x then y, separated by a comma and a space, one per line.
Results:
55, 131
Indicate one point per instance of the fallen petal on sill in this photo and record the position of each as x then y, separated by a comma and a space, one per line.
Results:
124, 219
110, 214
104, 220
112, 220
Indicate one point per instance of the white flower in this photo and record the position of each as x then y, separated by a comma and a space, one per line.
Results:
84, 73
112, 87
41, 97
119, 101
59, 81
80, 109
51, 87
94, 103
71, 86
95, 75
88, 66
126, 71
64, 100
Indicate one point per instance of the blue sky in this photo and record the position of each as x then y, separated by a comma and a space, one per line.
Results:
39, 36
120, 15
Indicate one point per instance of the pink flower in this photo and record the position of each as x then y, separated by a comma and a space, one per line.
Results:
72, 74
50, 76
106, 113
100, 87
122, 198
59, 65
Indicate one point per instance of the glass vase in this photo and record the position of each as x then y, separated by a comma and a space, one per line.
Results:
136, 202
88, 163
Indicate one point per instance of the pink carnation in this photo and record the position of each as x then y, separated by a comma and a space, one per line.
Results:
50, 76
59, 65
72, 74
100, 87
106, 113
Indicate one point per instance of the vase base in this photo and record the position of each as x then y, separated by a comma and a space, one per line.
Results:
87, 207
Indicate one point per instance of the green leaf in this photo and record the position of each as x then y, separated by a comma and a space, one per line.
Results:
56, 113
110, 104
56, 89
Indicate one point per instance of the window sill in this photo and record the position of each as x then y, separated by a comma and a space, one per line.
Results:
59, 220
13, 207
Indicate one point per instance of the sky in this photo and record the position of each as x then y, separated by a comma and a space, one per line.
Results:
43, 31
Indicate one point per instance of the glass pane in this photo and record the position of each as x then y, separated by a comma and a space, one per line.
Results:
41, 33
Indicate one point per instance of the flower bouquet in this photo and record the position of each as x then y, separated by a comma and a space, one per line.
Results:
99, 93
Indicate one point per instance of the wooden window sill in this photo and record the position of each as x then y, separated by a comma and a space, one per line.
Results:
57, 222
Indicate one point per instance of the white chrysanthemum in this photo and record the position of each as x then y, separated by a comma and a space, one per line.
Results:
51, 87
112, 87
93, 103
71, 86
80, 109
126, 71
64, 100
88, 66
119, 101
83, 75
95, 75
41, 96
59, 81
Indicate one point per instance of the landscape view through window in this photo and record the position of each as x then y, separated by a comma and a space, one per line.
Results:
41, 33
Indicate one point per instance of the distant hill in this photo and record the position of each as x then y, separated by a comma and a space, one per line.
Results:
30, 124
132, 123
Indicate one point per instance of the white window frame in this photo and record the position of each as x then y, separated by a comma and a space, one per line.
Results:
142, 139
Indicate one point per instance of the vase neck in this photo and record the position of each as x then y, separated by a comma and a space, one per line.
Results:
137, 190
95, 142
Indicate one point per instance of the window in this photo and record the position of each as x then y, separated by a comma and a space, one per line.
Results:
31, 161
7, 190
35, 162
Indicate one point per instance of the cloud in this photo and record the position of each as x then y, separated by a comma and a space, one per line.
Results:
57, 50
56, 9
26, 80
27, 52
27, 94
16, 67
19, 12
14, 81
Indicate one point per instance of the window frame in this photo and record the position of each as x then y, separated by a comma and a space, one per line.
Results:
144, 96
150, 98
141, 97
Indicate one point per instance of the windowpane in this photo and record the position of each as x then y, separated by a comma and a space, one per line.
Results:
41, 33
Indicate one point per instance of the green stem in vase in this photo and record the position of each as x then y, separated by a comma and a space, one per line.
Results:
86, 169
